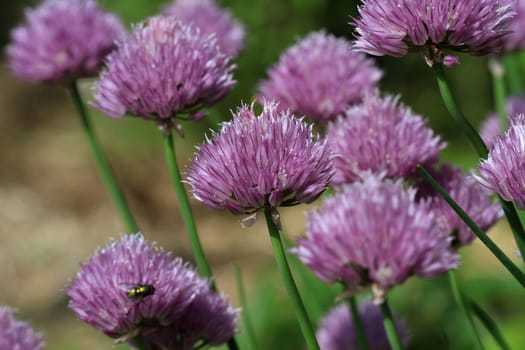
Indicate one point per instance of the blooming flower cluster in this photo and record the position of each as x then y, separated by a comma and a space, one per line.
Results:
491, 127
164, 68
62, 40
210, 19
379, 135
259, 161
17, 335
320, 77
179, 310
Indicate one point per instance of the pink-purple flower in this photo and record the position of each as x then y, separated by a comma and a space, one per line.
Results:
106, 294
380, 135
515, 41
491, 126
259, 161
320, 76
164, 69
17, 335
210, 19
394, 27
375, 234
62, 40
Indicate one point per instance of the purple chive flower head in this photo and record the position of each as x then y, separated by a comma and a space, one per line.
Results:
503, 171
259, 161
380, 135
337, 330
163, 69
394, 27
210, 19
465, 191
62, 40
320, 77
101, 296
491, 127
17, 335
515, 41
374, 233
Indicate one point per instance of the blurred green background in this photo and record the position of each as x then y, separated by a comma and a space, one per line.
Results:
54, 211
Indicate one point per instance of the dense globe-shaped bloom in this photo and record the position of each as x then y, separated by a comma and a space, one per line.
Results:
337, 330
131, 288
162, 69
503, 171
465, 191
379, 135
17, 335
210, 19
62, 40
260, 161
515, 41
393, 27
320, 77
374, 233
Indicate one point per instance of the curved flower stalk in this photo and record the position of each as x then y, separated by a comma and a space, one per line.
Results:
17, 335
320, 76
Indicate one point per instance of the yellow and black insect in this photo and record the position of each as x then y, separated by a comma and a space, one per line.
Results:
139, 291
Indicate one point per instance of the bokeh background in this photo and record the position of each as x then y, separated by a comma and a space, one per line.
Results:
54, 211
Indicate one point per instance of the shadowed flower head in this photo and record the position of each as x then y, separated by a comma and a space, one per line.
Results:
374, 233
379, 135
62, 40
503, 171
393, 27
210, 19
259, 161
337, 330
320, 77
465, 191
491, 127
101, 296
515, 41
162, 69
17, 335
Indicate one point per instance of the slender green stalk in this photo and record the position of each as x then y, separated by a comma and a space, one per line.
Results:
498, 90
489, 323
185, 208
514, 74
289, 283
250, 330
390, 328
515, 224
358, 324
460, 301
489, 243
103, 166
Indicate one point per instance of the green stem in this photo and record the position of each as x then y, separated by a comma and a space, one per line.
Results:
515, 224
250, 330
460, 301
103, 166
185, 209
289, 283
453, 108
358, 324
390, 327
489, 243
498, 88
489, 323
513, 75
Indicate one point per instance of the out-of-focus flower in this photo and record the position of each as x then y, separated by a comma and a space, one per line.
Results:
164, 69
465, 191
503, 171
515, 41
394, 27
380, 136
62, 40
374, 233
260, 161
320, 77
210, 19
17, 335
131, 289
337, 330
491, 127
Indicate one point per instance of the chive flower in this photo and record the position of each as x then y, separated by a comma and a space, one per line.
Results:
62, 40
164, 69
380, 135
320, 76
491, 126
375, 234
210, 19
515, 41
134, 289
259, 161
17, 335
